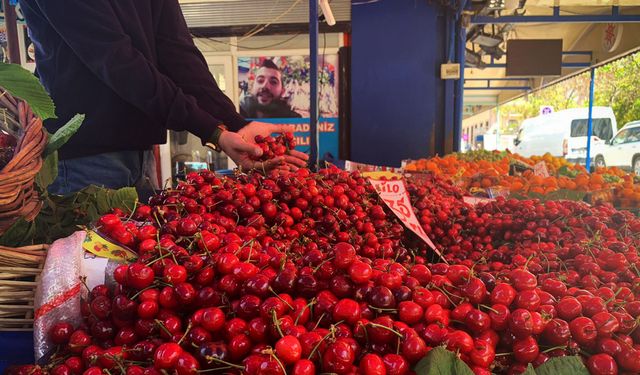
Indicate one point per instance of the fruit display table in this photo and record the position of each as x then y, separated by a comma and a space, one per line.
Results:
318, 273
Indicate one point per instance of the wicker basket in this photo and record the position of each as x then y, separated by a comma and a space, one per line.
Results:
20, 270
18, 197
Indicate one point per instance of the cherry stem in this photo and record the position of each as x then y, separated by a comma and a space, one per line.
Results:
163, 327
133, 211
141, 291
284, 369
276, 322
186, 332
554, 348
387, 328
161, 257
280, 298
319, 320
378, 309
313, 351
503, 354
307, 306
490, 309
218, 360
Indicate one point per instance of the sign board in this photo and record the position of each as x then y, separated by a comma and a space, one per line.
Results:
395, 196
276, 89
540, 169
611, 37
450, 71
352, 166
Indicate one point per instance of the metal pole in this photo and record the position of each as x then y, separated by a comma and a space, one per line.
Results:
13, 45
313, 74
590, 128
459, 112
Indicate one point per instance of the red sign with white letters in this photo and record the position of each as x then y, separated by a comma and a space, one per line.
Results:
395, 196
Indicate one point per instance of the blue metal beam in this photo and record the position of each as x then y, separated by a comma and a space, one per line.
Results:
614, 17
578, 53
590, 128
496, 79
569, 65
314, 159
459, 112
506, 88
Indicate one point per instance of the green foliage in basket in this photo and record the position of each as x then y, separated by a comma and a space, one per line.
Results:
60, 216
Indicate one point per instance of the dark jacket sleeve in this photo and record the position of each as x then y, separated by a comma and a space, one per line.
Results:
92, 31
181, 60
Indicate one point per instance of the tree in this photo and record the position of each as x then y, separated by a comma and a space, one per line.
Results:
615, 86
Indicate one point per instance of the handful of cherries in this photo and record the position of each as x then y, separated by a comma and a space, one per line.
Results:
273, 147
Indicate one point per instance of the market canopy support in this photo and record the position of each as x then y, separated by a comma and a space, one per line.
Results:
614, 17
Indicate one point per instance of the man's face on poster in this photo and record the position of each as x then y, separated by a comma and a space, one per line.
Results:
267, 86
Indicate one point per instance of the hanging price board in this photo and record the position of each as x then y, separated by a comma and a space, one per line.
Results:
395, 196
474, 201
541, 170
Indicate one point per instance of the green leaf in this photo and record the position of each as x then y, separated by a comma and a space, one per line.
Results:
529, 370
24, 85
48, 172
563, 366
63, 134
565, 171
20, 233
124, 198
440, 361
102, 201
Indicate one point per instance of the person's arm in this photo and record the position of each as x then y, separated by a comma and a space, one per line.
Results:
93, 32
181, 60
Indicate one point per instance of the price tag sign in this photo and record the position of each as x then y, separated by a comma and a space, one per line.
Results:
540, 169
474, 201
395, 196
99, 246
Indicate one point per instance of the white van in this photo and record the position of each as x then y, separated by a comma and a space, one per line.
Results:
564, 133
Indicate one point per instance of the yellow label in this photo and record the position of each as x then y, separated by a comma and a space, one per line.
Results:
96, 244
379, 174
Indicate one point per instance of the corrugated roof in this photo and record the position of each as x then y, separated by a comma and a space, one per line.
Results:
254, 12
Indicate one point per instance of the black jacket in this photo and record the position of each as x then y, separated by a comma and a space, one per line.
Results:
131, 66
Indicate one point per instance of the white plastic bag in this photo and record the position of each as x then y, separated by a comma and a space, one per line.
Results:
59, 291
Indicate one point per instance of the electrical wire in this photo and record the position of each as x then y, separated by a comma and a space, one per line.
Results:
252, 48
275, 4
260, 29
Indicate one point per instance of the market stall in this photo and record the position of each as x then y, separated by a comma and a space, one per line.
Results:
469, 263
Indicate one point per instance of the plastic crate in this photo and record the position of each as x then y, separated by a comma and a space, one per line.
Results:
16, 348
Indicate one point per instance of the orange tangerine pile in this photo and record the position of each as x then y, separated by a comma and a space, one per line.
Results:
482, 170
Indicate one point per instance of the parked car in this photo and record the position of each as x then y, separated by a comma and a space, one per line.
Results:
564, 133
622, 151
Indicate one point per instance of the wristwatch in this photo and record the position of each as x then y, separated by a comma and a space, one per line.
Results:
214, 140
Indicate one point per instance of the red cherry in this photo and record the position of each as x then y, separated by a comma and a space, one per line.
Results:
346, 310
602, 364
303, 367
166, 356
60, 333
525, 350
288, 349
372, 364
175, 274
396, 364
583, 330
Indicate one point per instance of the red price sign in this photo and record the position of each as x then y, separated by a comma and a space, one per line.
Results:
540, 169
474, 201
395, 196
